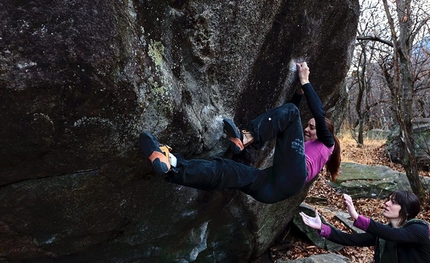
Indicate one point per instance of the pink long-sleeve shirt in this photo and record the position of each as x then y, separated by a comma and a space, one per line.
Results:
317, 154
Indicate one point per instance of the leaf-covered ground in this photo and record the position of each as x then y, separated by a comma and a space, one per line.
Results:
289, 246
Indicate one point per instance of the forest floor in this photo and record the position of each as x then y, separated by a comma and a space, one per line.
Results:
372, 153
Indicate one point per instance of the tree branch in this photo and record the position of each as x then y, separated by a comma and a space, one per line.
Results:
373, 38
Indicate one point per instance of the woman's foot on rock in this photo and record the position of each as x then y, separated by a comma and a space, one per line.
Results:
157, 154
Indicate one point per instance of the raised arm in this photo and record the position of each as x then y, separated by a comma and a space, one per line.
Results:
315, 105
350, 206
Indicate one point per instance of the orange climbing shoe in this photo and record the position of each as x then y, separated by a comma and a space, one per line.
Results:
236, 136
157, 154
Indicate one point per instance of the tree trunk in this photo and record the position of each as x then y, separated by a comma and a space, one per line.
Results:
403, 88
361, 88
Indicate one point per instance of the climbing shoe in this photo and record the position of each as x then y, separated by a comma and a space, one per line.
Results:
236, 137
157, 154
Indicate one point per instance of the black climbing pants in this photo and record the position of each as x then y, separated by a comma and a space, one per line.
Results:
283, 179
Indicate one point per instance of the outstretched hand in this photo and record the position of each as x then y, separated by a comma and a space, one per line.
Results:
350, 206
313, 222
303, 72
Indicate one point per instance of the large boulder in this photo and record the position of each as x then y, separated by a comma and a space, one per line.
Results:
81, 79
420, 138
363, 181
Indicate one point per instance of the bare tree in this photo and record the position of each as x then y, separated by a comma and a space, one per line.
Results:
401, 81
360, 81
407, 22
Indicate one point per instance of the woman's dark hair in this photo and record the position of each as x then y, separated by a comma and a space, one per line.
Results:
409, 202
333, 163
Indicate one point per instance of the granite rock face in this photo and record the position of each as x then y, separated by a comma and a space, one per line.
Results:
79, 80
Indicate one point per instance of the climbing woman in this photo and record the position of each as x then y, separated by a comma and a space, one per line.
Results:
299, 154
